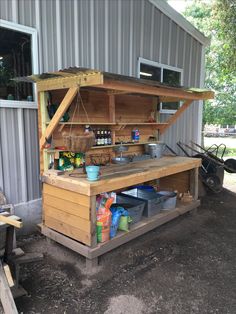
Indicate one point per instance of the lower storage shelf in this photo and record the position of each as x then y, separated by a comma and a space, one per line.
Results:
145, 225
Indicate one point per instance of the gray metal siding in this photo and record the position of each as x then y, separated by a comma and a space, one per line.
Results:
19, 161
105, 34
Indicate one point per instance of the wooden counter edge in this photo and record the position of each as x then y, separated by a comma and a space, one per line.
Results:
106, 185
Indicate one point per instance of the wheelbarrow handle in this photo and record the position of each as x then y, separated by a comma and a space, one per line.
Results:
179, 144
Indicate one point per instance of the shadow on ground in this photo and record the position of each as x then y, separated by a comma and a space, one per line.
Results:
186, 266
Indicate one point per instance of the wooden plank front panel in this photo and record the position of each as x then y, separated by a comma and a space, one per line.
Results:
67, 212
66, 195
68, 230
69, 219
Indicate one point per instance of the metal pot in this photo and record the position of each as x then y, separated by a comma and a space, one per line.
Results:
155, 150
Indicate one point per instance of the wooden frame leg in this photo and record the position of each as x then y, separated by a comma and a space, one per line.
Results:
9, 242
194, 183
91, 264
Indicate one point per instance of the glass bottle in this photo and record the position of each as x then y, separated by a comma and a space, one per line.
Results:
98, 141
105, 138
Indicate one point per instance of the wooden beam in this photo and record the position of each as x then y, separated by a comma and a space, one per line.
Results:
194, 183
64, 240
10, 221
70, 81
59, 114
175, 116
6, 295
170, 99
111, 108
155, 90
8, 275
93, 221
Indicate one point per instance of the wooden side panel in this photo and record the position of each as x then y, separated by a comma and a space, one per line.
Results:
66, 195
66, 206
68, 230
68, 213
177, 182
69, 219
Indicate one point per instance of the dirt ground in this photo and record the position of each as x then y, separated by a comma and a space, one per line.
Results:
186, 266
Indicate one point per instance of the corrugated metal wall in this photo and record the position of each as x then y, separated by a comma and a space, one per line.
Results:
19, 164
109, 35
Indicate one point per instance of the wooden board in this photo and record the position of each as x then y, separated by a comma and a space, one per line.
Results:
177, 182
6, 295
67, 218
88, 79
116, 176
58, 115
133, 108
70, 196
175, 116
68, 212
68, 230
134, 87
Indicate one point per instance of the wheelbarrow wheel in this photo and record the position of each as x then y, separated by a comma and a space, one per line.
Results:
213, 183
230, 165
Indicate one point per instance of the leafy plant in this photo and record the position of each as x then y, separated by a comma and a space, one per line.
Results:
217, 19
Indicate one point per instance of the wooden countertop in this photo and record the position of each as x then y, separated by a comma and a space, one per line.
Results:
115, 177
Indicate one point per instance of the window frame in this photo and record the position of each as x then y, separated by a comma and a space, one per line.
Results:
162, 67
4, 103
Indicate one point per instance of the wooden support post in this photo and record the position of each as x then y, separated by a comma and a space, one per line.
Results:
93, 221
194, 183
9, 242
111, 98
173, 118
91, 264
59, 114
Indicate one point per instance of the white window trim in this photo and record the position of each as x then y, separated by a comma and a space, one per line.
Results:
35, 64
162, 66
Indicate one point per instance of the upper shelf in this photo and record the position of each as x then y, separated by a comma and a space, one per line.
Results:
111, 123
53, 150
81, 77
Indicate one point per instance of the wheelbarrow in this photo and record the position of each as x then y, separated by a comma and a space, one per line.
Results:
209, 170
214, 152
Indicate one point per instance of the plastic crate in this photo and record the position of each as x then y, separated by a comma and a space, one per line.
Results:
134, 206
153, 201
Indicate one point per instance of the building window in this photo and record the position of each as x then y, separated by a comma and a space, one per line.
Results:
155, 71
18, 57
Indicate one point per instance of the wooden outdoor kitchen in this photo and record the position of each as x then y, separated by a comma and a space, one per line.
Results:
116, 104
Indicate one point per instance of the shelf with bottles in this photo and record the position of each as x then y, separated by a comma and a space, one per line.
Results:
55, 150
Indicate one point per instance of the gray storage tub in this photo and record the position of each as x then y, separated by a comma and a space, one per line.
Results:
169, 199
153, 201
134, 206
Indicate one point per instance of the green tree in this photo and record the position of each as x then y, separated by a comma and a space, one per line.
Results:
217, 20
